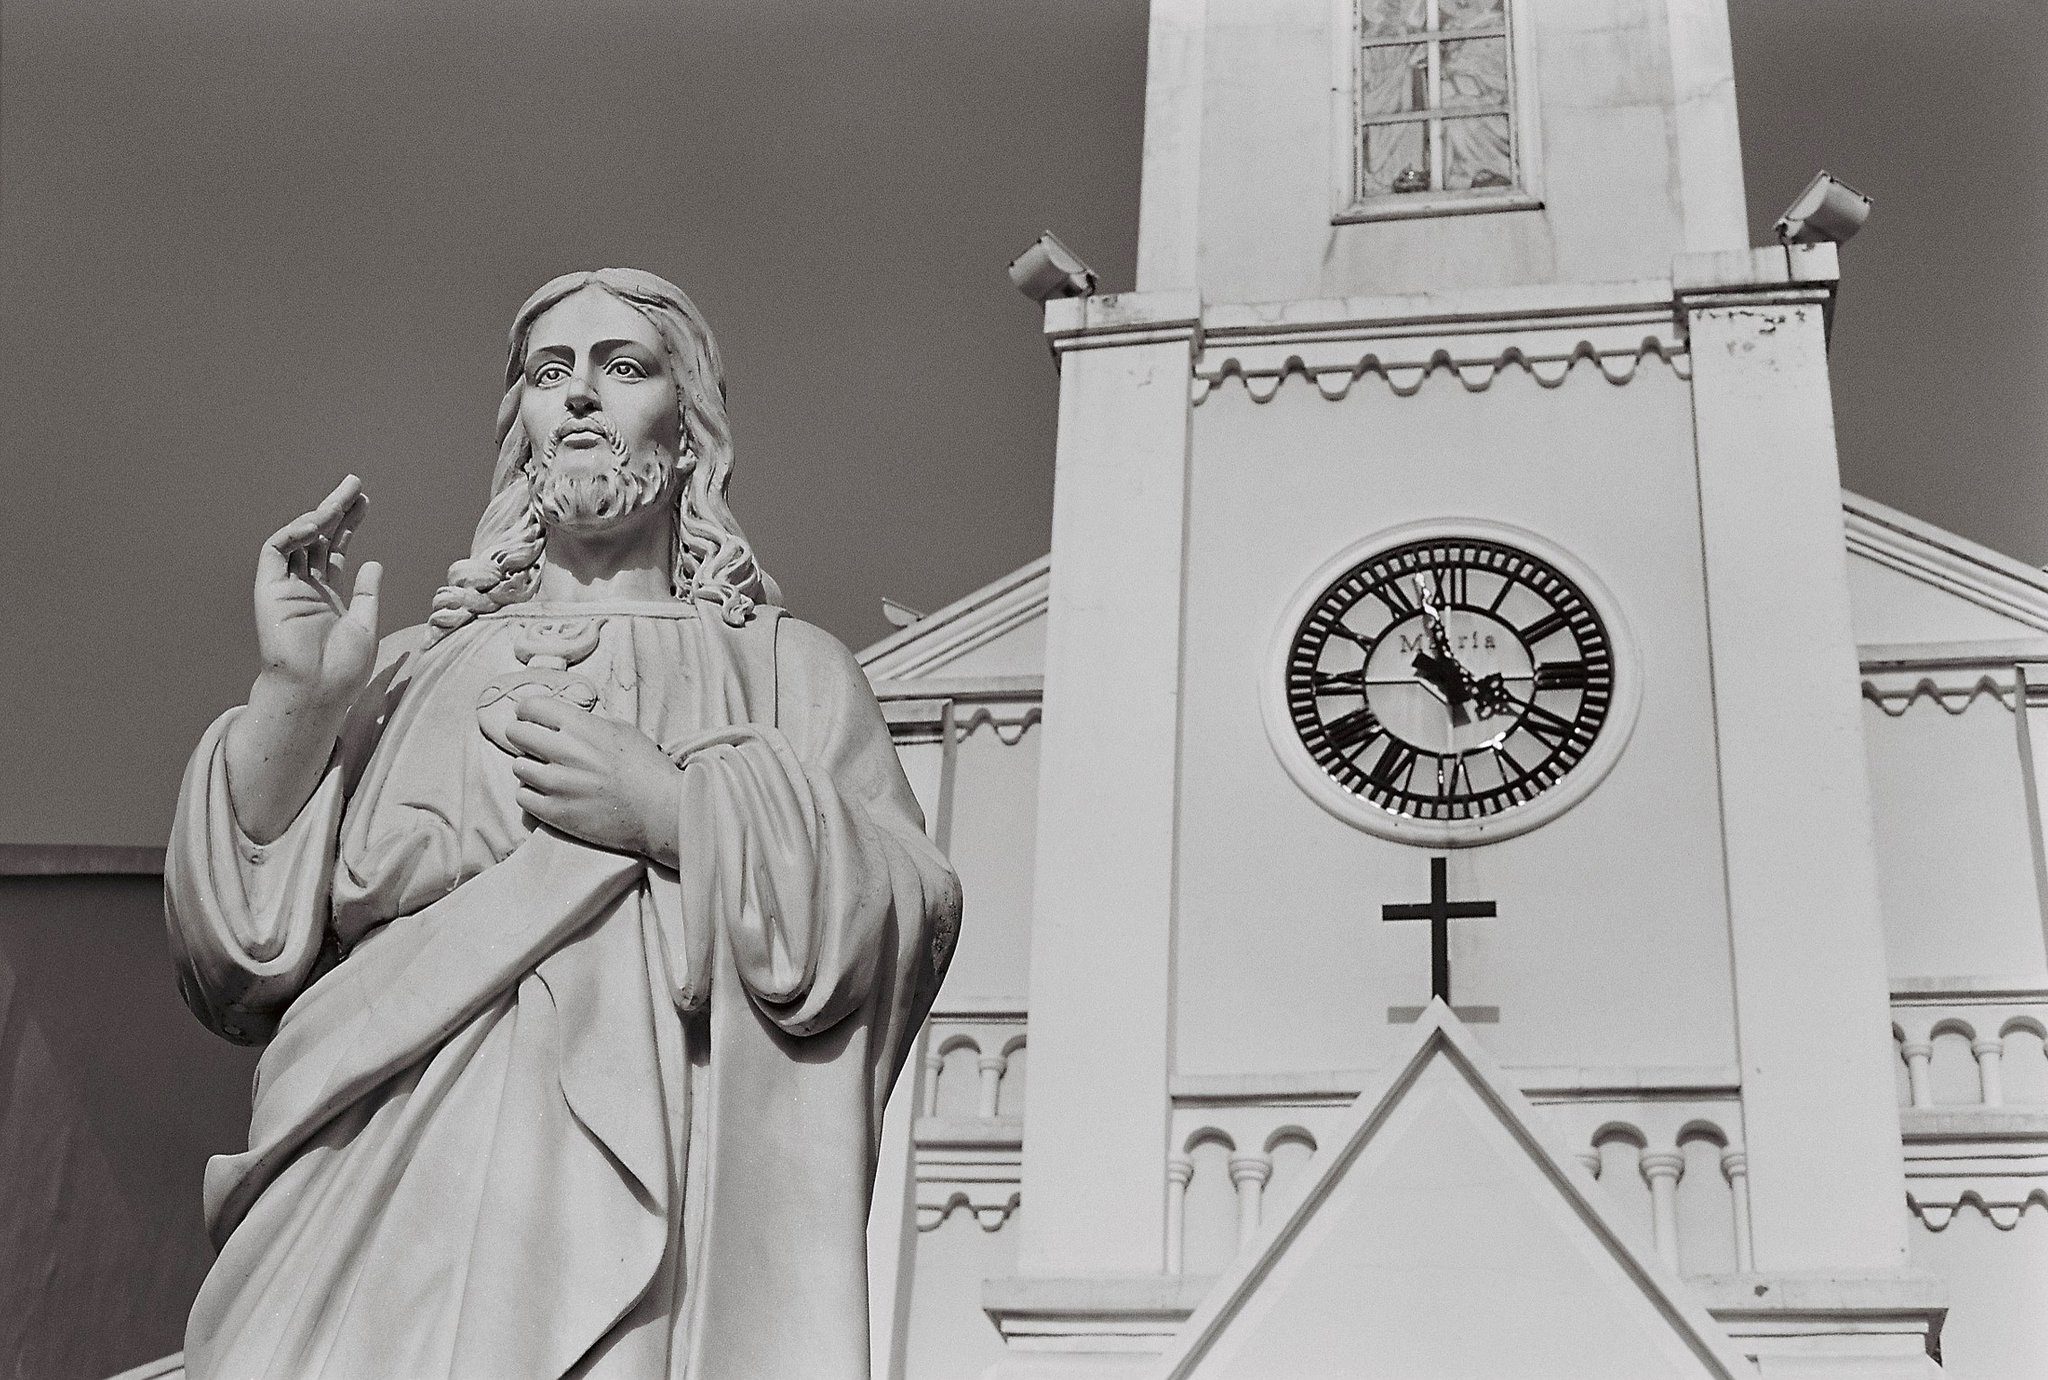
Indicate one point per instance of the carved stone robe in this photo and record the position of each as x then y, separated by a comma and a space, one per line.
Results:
532, 1108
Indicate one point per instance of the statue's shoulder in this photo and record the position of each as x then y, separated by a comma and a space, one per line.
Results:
798, 643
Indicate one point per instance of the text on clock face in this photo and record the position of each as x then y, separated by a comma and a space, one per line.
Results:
1449, 679
1459, 641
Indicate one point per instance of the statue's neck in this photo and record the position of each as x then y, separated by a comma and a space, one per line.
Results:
629, 560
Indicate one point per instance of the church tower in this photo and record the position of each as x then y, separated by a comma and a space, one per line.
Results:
1448, 526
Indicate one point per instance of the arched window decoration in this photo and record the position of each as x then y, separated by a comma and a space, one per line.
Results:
1435, 108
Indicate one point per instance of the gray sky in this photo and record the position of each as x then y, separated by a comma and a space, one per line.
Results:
247, 246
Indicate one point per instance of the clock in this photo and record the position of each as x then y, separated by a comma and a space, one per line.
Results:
1451, 684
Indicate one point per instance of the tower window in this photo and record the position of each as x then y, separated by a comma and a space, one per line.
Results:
1434, 106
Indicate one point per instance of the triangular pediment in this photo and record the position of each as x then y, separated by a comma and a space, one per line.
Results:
1440, 1235
998, 630
1913, 582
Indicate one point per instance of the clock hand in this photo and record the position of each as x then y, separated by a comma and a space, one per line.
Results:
1432, 616
1491, 696
1446, 677
1447, 662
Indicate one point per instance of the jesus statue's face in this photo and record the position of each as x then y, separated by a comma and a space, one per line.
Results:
601, 413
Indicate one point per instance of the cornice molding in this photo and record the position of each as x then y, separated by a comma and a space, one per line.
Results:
1133, 1315
1946, 561
1995, 1159
948, 634
971, 1163
1762, 273
1115, 319
1471, 336
1973, 990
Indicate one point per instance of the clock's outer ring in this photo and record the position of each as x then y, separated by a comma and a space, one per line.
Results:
1574, 786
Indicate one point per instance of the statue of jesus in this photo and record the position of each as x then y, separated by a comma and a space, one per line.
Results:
587, 927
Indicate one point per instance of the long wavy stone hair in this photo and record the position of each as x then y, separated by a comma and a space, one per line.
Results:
712, 560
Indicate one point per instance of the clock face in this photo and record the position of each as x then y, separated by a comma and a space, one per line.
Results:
1450, 678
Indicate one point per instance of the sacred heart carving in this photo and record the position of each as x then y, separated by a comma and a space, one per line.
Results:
548, 648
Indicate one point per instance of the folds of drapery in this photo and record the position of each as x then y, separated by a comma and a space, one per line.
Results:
248, 919
799, 943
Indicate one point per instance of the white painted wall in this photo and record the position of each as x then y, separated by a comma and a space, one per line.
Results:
1998, 1291
1892, 607
992, 843
1611, 946
949, 1336
1954, 859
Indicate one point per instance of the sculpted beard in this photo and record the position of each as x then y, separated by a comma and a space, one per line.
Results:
582, 500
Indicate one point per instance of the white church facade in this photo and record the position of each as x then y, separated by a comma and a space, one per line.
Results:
1452, 595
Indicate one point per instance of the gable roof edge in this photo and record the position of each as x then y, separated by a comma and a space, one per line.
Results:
1939, 558
1440, 1030
961, 626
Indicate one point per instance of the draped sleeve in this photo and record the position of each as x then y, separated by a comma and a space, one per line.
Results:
825, 920
250, 922
804, 837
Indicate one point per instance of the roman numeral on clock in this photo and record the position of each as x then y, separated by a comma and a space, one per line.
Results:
1551, 728
1562, 675
1543, 627
1359, 726
1395, 764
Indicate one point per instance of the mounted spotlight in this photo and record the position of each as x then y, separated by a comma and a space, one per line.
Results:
1049, 269
1829, 211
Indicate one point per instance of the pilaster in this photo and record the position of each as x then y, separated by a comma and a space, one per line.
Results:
1095, 1149
1824, 1168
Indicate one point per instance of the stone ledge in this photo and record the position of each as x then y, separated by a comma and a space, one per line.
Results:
1825, 1318
1926, 1125
1767, 1294
1122, 318
969, 1132
1097, 1294
1105, 1314
1982, 654
1898, 1313
1448, 312
960, 688
1746, 270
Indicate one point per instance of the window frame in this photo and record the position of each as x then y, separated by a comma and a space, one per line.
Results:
1348, 206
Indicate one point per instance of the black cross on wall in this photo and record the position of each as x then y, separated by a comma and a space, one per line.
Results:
1440, 910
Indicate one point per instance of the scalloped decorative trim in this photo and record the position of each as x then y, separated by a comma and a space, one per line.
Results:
1954, 701
1009, 722
989, 1214
2004, 1213
1405, 373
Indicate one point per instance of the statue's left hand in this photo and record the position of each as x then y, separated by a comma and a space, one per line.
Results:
598, 778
